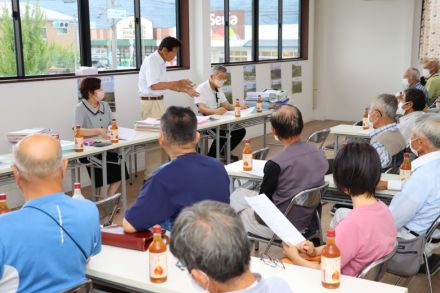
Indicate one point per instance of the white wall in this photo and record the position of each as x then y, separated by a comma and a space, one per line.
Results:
361, 50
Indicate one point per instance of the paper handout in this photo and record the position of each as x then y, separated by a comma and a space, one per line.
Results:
126, 133
274, 219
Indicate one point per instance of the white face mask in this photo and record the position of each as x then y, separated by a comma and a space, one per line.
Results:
400, 110
425, 72
414, 151
276, 138
99, 94
219, 83
370, 124
405, 83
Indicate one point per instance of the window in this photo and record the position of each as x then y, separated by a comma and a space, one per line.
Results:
8, 66
430, 31
264, 30
158, 20
112, 34
49, 36
53, 37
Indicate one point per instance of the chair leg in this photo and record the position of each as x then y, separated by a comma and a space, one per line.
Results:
269, 244
256, 245
428, 272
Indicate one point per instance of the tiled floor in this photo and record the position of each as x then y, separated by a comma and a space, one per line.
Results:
418, 284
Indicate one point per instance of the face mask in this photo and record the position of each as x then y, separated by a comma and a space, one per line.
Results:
219, 83
425, 72
405, 82
414, 151
99, 95
370, 123
400, 110
276, 138
197, 287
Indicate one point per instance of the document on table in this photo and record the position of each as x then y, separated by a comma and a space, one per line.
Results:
243, 112
274, 219
126, 133
257, 168
202, 119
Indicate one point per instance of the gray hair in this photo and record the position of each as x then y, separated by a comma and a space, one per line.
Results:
415, 73
386, 104
218, 68
428, 125
179, 125
209, 236
30, 166
287, 121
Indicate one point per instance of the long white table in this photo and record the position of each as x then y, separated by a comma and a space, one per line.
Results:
128, 270
349, 131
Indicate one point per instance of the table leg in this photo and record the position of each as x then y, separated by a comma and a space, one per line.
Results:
217, 142
123, 183
264, 131
92, 183
336, 147
228, 144
104, 174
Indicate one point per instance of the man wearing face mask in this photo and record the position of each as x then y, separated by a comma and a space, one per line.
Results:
411, 107
386, 137
411, 80
209, 240
153, 83
417, 205
299, 166
212, 101
431, 72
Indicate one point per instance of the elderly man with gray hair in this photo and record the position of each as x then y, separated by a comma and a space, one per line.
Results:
210, 241
386, 137
212, 101
44, 245
431, 67
411, 80
417, 205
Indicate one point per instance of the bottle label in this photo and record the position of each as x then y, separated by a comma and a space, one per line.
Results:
330, 270
237, 111
404, 174
247, 161
114, 134
259, 107
79, 143
158, 265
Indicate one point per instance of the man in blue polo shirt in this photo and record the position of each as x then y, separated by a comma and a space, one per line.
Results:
187, 179
45, 245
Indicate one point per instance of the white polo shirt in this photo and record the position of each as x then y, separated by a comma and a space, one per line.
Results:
153, 70
211, 98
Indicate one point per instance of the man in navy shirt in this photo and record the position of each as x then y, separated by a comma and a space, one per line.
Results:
187, 179
45, 245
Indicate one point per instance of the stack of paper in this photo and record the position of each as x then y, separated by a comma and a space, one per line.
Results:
149, 124
244, 112
202, 119
15, 136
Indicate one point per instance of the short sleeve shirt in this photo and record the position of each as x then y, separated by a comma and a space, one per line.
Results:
180, 183
211, 98
36, 255
88, 117
153, 70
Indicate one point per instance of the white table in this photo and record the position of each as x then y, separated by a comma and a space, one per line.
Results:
333, 195
349, 131
128, 269
235, 172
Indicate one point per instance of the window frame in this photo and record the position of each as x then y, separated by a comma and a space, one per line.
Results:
303, 27
85, 49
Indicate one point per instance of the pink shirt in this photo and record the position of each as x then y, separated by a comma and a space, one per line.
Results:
366, 234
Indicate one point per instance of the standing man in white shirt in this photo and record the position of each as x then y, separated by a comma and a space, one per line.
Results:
212, 101
153, 83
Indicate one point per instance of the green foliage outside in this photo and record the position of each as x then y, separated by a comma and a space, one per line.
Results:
38, 54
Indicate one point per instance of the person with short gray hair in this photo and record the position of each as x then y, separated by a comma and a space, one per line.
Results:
417, 205
411, 80
386, 137
62, 232
212, 101
431, 74
209, 239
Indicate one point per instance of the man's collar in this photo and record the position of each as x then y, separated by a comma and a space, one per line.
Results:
422, 160
159, 56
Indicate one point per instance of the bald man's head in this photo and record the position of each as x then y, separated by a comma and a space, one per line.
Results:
38, 157
287, 121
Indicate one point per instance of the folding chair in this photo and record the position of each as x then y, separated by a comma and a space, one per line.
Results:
84, 287
107, 209
319, 137
377, 269
310, 198
260, 154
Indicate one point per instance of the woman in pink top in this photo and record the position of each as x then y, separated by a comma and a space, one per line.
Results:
368, 232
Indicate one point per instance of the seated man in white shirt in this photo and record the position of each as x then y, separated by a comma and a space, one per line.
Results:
210, 241
212, 101
417, 205
411, 105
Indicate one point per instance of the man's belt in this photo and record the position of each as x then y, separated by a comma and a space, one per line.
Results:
158, 98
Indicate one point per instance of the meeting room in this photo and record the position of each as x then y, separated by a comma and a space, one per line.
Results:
254, 146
